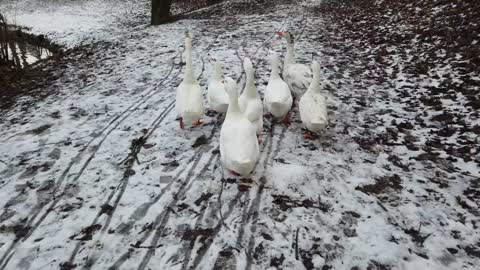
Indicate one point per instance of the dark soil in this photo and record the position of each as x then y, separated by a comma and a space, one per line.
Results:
194, 234
19, 230
200, 141
87, 233
382, 185
285, 203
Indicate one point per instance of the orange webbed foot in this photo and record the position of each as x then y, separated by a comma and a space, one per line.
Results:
197, 123
182, 126
308, 136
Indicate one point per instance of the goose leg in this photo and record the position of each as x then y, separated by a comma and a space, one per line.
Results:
182, 126
294, 101
309, 136
286, 119
233, 172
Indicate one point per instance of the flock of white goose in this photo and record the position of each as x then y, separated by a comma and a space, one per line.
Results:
239, 144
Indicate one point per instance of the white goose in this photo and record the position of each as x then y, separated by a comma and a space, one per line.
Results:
313, 106
239, 149
217, 96
250, 102
297, 76
189, 100
278, 98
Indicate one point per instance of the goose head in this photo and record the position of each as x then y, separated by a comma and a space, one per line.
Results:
217, 67
233, 111
315, 67
275, 62
288, 36
188, 41
250, 73
315, 84
247, 65
231, 87
274, 58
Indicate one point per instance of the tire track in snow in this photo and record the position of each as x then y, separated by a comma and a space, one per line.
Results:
187, 256
188, 247
253, 212
245, 214
162, 218
191, 244
216, 230
115, 122
248, 211
123, 184
141, 212
165, 214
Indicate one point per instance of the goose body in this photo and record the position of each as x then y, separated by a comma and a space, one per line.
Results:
217, 96
278, 98
312, 105
239, 149
250, 102
189, 98
297, 76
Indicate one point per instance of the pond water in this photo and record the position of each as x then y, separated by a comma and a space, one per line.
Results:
22, 50
26, 54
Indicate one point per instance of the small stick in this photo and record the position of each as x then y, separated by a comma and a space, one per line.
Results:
220, 196
296, 244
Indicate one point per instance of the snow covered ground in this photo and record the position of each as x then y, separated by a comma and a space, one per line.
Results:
99, 176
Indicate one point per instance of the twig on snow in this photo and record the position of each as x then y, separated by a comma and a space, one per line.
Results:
296, 244
220, 196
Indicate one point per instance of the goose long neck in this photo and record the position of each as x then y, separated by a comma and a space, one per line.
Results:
217, 72
233, 107
275, 69
315, 85
188, 65
290, 58
250, 84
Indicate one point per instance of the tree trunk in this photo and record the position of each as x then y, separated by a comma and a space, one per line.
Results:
160, 11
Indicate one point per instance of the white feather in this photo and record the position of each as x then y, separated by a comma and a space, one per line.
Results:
189, 98
278, 98
217, 96
250, 102
313, 105
239, 148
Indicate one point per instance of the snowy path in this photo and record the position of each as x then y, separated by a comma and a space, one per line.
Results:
74, 195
